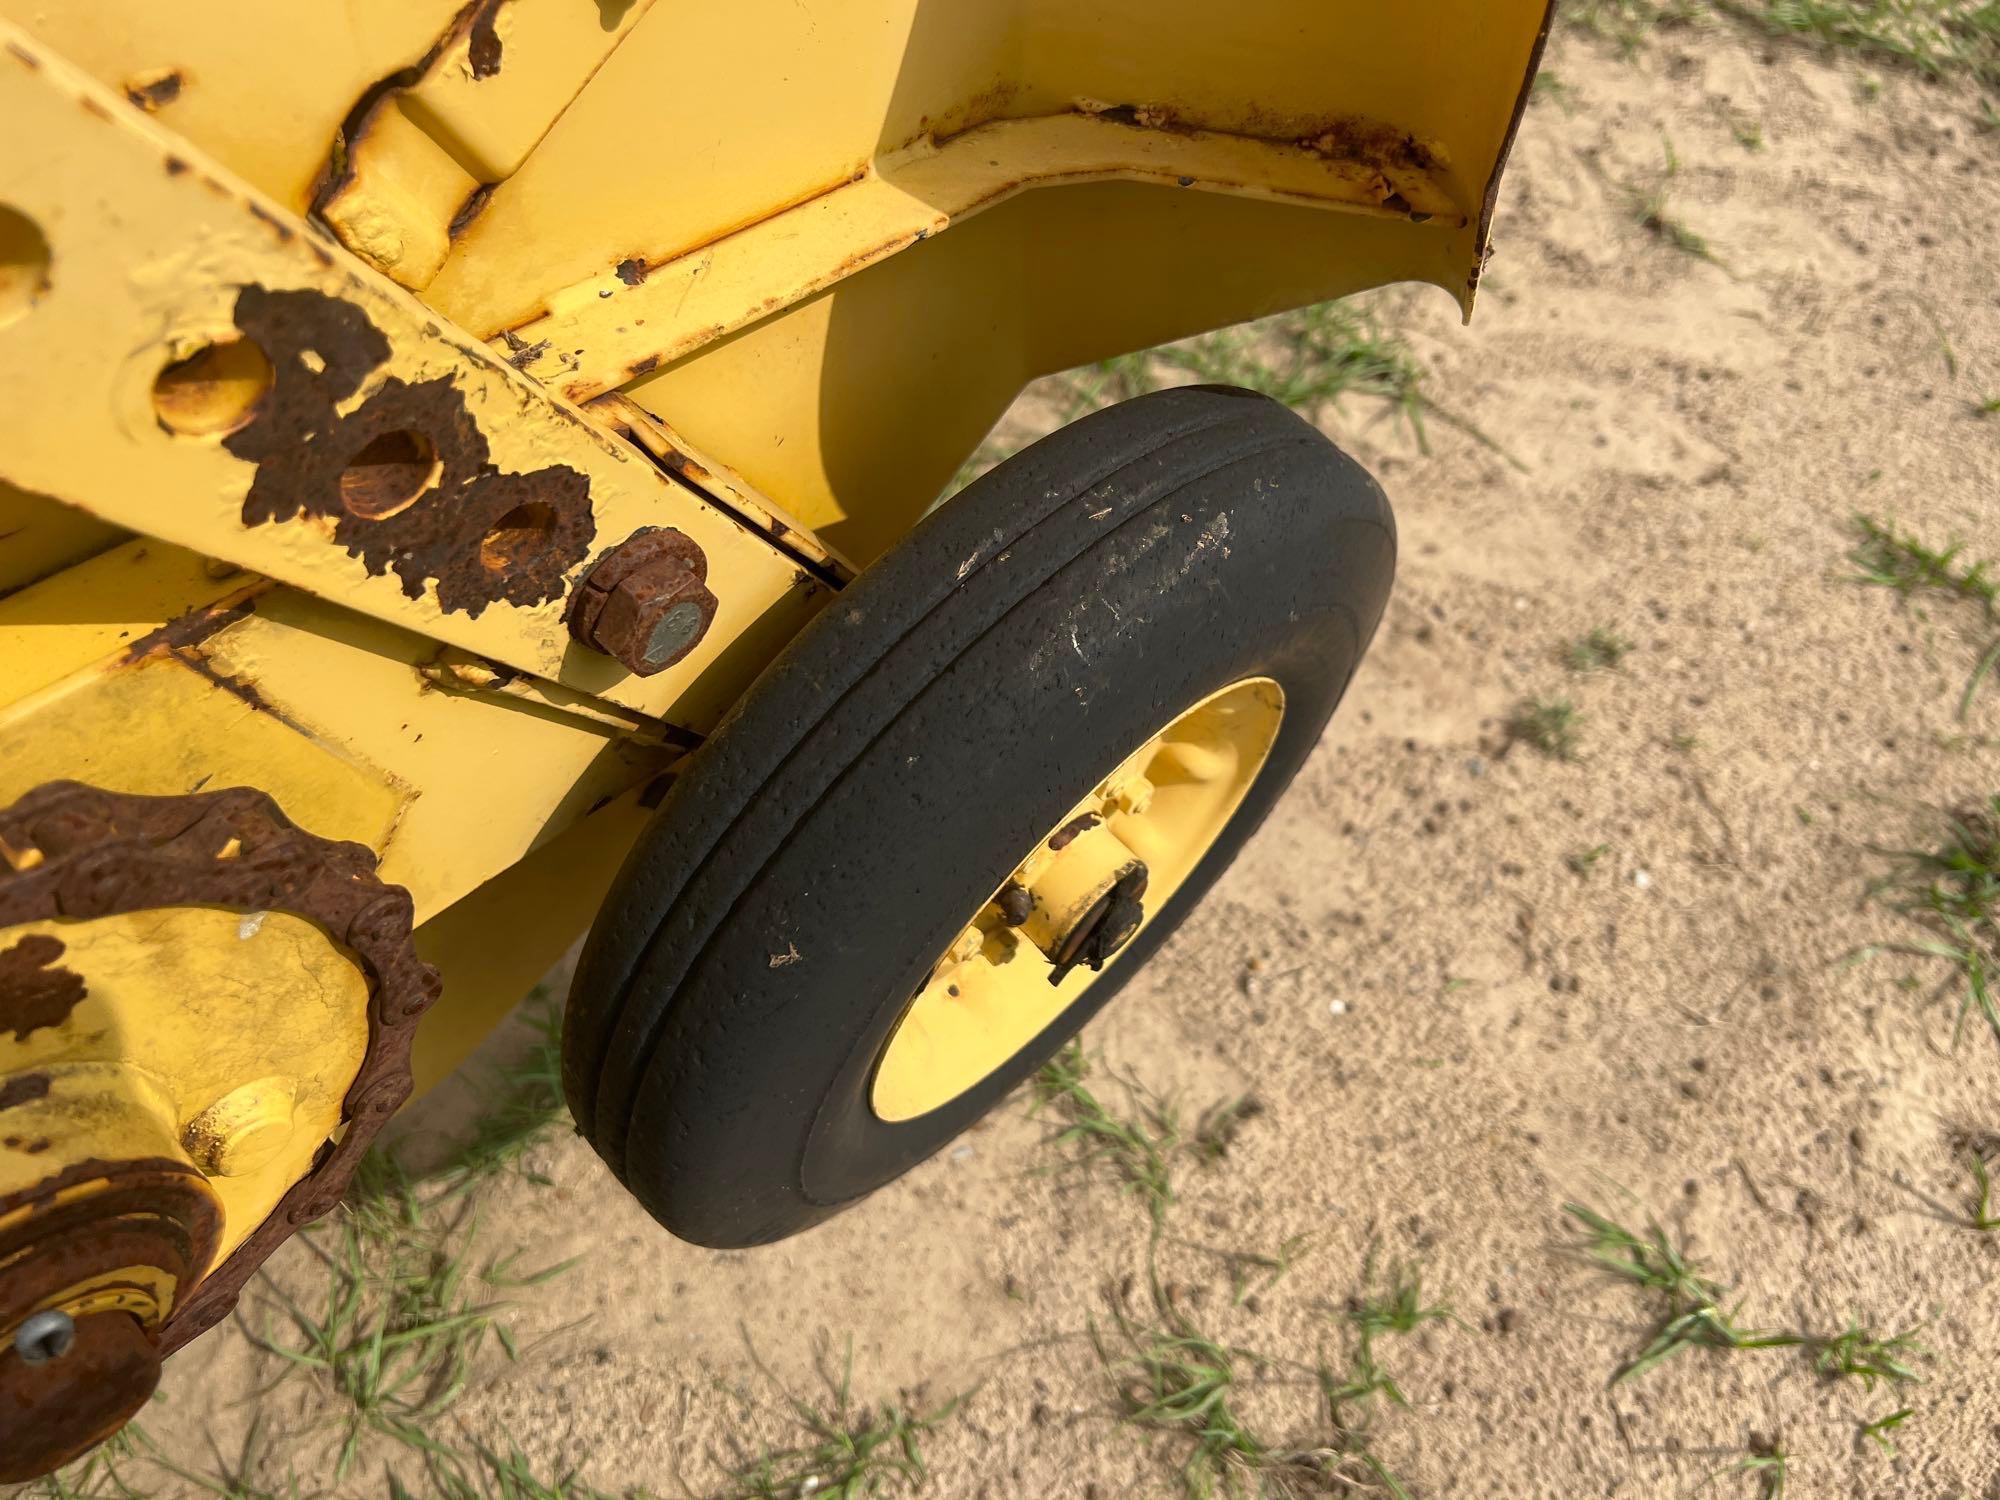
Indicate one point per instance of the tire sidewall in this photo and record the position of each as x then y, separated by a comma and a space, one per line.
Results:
743, 1132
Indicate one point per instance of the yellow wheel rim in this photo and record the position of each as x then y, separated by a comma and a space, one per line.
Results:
1161, 809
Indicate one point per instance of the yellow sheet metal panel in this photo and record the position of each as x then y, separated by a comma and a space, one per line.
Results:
707, 118
828, 96
492, 777
235, 1036
856, 407
632, 317
39, 536
99, 607
472, 530
1444, 72
160, 727
492, 945
334, 715
261, 85
416, 161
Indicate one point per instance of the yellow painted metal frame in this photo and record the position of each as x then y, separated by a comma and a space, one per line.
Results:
789, 256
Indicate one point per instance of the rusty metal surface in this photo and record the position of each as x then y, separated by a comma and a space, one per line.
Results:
35, 991
89, 1225
234, 384
50, 1414
81, 852
444, 516
637, 592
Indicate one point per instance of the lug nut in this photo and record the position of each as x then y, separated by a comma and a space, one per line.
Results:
1015, 904
645, 603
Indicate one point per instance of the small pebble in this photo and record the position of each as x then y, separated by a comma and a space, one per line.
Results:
1641, 879
1338, 1007
961, 1153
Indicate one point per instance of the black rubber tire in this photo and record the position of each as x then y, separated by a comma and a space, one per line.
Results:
894, 763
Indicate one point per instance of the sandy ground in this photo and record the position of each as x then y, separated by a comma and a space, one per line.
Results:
1452, 1031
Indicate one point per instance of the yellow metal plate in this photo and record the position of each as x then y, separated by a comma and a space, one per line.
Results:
147, 247
183, 1007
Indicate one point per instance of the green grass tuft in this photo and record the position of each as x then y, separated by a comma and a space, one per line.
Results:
1953, 890
387, 1201
1693, 1315
1551, 725
1583, 861
1599, 651
1648, 205
1891, 558
396, 1334
488, 1475
1219, 1125
1899, 560
1878, 1430
1982, 1217
849, 1453
1139, 1150
1177, 1381
1856, 1353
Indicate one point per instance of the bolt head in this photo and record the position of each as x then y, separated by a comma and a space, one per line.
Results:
243, 1131
646, 603
45, 1336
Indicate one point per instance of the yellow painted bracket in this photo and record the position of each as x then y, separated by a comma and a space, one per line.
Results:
625, 321
182, 357
417, 168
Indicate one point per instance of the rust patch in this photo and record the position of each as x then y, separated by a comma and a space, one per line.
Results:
483, 41
23, 1088
89, 1219
104, 1380
23, 55
1064, 836
315, 463
643, 366
632, 270
35, 1147
33, 993
154, 91
521, 353
111, 852
474, 205
175, 166
187, 631
1354, 138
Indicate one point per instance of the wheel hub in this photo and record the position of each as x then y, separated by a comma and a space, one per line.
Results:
1079, 897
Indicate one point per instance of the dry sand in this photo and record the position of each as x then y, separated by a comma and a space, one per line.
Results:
1680, 1024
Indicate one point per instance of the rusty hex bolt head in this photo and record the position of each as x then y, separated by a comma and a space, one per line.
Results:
645, 603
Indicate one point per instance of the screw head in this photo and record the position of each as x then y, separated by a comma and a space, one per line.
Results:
45, 1336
